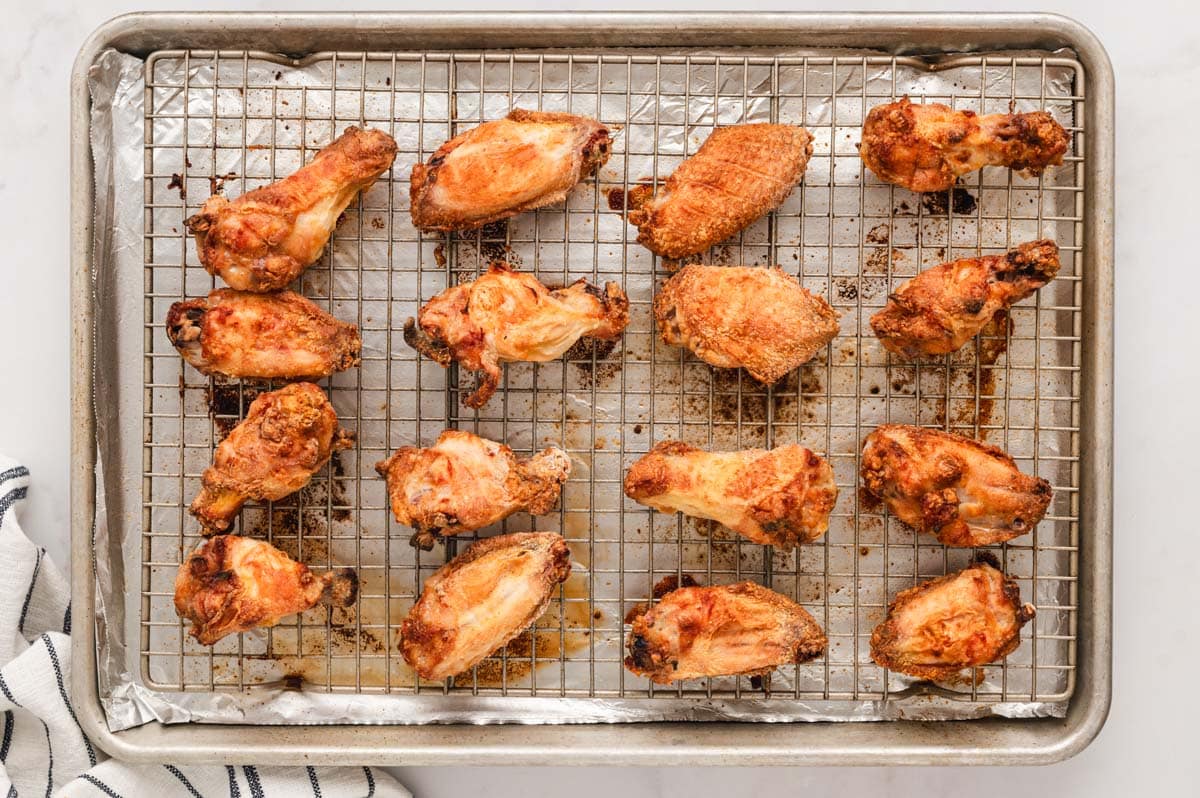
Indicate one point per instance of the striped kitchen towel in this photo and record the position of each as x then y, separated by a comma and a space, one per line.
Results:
43, 751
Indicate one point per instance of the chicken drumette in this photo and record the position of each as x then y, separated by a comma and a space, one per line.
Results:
942, 308
286, 436
526, 160
964, 492
780, 497
739, 173
465, 482
482, 599
732, 630
927, 147
730, 316
280, 335
506, 316
230, 584
961, 620
264, 239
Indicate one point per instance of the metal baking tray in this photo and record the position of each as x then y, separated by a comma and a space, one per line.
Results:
581, 658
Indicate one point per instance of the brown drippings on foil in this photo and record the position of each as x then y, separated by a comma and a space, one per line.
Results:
941, 203
178, 182
216, 183
227, 401
868, 502
439, 254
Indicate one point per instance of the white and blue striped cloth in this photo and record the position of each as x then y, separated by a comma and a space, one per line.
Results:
43, 751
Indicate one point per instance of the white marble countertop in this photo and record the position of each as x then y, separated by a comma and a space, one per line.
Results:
1144, 749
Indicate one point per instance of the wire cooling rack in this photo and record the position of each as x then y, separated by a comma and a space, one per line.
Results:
233, 121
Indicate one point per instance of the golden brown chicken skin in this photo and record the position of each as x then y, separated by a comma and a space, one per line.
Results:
780, 497
265, 238
527, 160
961, 620
739, 174
731, 630
465, 482
286, 437
731, 316
279, 335
506, 316
927, 147
964, 492
482, 599
230, 584
942, 308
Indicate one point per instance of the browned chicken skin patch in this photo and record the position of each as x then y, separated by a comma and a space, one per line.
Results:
964, 492
527, 160
278, 335
482, 599
265, 238
942, 308
756, 318
739, 174
230, 584
465, 482
961, 620
506, 316
927, 147
731, 630
286, 437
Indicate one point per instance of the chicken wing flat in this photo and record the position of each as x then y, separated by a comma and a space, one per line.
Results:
465, 482
730, 316
482, 599
780, 497
964, 492
505, 316
961, 620
731, 630
230, 584
280, 335
286, 436
526, 160
264, 239
927, 147
942, 308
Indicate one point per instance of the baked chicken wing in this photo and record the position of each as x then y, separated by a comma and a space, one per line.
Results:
280, 335
286, 436
526, 160
230, 584
780, 497
961, 620
730, 316
264, 239
927, 147
942, 308
739, 173
731, 630
506, 316
482, 599
465, 482
964, 492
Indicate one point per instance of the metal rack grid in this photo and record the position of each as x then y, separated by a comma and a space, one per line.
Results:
241, 119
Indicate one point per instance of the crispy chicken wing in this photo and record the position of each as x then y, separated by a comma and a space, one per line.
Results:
482, 599
264, 239
964, 492
230, 584
280, 335
465, 482
942, 308
506, 316
737, 175
730, 316
780, 497
527, 160
961, 620
731, 630
286, 436
927, 147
